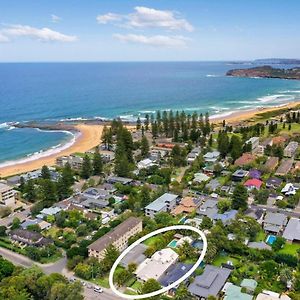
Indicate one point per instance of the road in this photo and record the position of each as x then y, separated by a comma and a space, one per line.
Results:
276, 209
56, 267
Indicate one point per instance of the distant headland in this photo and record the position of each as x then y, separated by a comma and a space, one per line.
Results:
266, 72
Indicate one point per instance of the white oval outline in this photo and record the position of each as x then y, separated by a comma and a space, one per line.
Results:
174, 284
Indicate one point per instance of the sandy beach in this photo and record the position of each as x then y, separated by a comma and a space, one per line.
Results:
246, 115
88, 138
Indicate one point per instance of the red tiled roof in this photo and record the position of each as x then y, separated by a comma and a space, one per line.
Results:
253, 182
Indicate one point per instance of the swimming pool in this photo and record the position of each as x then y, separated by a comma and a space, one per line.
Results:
271, 239
172, 244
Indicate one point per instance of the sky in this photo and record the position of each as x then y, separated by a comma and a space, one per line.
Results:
144, 30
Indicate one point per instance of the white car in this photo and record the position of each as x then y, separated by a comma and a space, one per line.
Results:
97, 289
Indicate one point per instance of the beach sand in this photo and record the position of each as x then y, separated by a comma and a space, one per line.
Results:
246, 115
90, 136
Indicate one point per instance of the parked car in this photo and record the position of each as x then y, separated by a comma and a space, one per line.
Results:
97, 289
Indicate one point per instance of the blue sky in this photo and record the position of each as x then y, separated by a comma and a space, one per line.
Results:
144, 30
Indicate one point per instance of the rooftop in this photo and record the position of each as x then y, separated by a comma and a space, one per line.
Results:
160, 202
112, 236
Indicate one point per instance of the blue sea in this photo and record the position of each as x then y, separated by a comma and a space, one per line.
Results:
59, 91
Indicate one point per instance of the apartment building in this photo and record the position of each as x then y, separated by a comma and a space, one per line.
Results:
164, 203
118, 237
291, 149
7, 195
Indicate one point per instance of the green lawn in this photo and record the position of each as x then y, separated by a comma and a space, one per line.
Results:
290, 249
103, 281
261, 236
137, 285
151, 241
220, 259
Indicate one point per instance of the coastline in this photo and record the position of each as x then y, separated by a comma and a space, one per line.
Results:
247, 115
87, 137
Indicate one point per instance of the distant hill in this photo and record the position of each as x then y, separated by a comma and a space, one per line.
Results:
278, 61
266, 72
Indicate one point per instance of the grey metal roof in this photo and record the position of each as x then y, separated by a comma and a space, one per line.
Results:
136, 255
275, 219
160, 202
210, 282
259, 245
292, 230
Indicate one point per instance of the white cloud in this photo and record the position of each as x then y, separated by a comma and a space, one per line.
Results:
3, 38
149, 17
43, 34
156, 40
145, 17
109, 18
55, 19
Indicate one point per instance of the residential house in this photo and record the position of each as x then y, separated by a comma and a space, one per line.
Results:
211, 157
285, 167
107, 156
208, 208
200, 177
269, 295
135, 256
174, 273
74, 161
164, 203
239, 175
213, 185
122, 180
7, 195
234, 292
262, 146
274, 222
273, 183
289, 189
226, 217
210, 282
245, 159
191, 157
279, 140
118, 237
96, 193
259, 246
256, 214
156, 266
292, 231
291, 149
145, 164
253, 183
271, 163
186, 205
29, 238
249, 284
254, 173
51, 211
42, 224
254, 142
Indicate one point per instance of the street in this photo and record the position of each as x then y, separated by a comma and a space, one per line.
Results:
56, 267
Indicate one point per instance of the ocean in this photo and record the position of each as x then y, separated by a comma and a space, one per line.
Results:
69, 91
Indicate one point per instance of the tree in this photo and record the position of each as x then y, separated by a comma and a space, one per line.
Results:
223, 143
149, 286
29, 191
83, 270
224, 205
206, 223
236, 147
285, 275
48, 192
16, 224
144, 147
97, 162
86, 170
182, 293
45, 173
3, 231
65, 182
240, 197
178, 156
107, 137
138, 123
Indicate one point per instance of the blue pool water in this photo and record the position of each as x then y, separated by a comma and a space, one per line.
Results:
271, 239
173, 244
